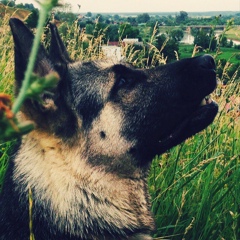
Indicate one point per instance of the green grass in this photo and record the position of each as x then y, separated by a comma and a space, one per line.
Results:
229, 54
226, 53
5, 150
195, 186
6, 84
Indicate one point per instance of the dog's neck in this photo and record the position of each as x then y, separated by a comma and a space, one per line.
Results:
63, 183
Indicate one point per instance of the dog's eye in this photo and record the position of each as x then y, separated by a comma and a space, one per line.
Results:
121, 82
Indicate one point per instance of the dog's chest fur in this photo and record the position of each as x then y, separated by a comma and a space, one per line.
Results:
71, 191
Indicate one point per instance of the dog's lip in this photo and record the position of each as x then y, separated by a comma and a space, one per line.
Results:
206, 104
206, 100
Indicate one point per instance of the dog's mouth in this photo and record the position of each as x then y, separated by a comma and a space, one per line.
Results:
206, 100
203, 115
205, 110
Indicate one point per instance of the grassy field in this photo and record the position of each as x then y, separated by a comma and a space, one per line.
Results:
195, 186
225, 53
6, 83
233, 33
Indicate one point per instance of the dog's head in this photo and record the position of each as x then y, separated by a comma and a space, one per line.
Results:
123, 115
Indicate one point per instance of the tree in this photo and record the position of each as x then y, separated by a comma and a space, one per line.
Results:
128, 31
143, 18
32, 20
205, 40
29, 6
224, 42
182, 17
66, 17
89, 29
116, 17
112, 33
132, 20
89, 14
202, 39
100, 18
177, 34
10, 3
99, 29
230, 44
171, 46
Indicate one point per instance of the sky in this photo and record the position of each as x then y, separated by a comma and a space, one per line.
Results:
146, 6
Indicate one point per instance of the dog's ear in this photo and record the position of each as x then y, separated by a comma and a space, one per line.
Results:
23, 41
51, 113
57, 52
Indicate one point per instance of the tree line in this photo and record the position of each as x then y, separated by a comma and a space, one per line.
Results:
140, 26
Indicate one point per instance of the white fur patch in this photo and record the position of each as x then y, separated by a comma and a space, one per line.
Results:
110, 122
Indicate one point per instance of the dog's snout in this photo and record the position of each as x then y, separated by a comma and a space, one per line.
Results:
207, 62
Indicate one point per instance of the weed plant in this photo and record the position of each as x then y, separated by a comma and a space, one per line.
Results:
195, 186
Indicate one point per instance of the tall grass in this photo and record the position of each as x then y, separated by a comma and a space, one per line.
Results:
6, 83
6, 56
80, 46
195, 186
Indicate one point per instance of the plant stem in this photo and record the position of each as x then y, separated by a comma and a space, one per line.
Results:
45, 8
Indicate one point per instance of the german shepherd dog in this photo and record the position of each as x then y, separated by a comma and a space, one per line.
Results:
96, 133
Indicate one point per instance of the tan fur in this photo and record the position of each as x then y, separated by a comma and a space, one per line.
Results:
60, 174
140, 236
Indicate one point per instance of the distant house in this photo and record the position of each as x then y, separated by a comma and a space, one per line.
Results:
113, 44
113, 53
113, 50
133, 41
130, 40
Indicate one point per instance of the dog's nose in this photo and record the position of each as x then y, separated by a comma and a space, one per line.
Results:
207, 62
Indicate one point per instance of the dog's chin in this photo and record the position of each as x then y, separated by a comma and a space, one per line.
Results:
203, 116
196, 122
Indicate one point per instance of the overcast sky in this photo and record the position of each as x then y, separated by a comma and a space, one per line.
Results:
99, 6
